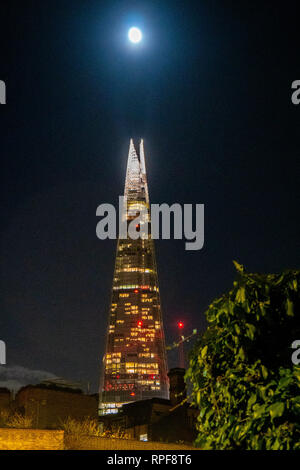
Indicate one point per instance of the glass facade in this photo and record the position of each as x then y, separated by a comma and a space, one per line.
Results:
134, 364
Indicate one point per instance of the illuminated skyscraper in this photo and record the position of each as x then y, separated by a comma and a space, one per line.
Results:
134, 364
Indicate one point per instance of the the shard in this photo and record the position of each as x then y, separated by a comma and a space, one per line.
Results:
134, 363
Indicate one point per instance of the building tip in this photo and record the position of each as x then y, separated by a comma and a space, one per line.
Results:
135, 141
135, 144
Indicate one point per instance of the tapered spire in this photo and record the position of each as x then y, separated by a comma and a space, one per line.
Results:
136, 180
134, 364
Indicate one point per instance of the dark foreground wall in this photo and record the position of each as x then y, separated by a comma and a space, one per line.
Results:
31, 439
37, 439
101, 443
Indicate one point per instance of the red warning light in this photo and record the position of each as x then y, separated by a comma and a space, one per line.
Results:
140, 323
135, 291
180, 324
118, 376
132, 394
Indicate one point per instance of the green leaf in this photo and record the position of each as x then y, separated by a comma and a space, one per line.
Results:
238, 267
240, 295
277, 409
264, 371
289, 308
259, 411
285, 381
252, 400
250, 330
293, 285
241, 354
276, 445
203, 352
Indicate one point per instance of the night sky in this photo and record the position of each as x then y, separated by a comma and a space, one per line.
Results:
209, 90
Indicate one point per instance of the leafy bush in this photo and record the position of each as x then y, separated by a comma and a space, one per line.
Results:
243, 379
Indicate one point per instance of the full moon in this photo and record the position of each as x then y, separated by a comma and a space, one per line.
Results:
135, 35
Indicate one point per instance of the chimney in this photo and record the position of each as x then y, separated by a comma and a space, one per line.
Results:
177, 385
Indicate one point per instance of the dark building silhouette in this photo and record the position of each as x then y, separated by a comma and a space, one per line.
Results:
49, 404
158, 419
5, 399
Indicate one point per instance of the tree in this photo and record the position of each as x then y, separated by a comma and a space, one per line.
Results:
242, 376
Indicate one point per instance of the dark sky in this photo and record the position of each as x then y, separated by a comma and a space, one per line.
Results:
209, 89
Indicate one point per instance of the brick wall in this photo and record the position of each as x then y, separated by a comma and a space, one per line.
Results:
37, 439
48, 408
99, 443
31, 439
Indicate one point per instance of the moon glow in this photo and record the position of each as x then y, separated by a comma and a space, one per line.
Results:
135, 35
